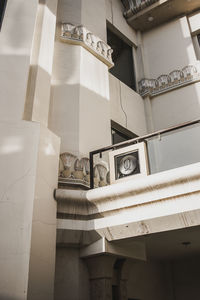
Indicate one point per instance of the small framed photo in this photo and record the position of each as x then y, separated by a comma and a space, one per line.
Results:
128, 163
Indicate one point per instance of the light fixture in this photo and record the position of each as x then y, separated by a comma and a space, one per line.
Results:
187, 243
150, 19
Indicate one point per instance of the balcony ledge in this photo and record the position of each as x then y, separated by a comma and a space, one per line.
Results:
154, 203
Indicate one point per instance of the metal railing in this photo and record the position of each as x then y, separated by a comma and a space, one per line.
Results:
134, 141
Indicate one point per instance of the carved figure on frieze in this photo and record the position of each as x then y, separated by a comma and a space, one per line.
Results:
102, 47
90, 39
78, 33
86, 168
109, 54
96, 177
143, 86
189, 72
78, 170
102, 174
108, 177
67, 30
163, 81
153, 85
68, 161
176, 77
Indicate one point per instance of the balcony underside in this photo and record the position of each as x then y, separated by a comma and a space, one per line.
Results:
159, 13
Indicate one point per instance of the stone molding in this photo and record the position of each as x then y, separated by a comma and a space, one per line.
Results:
79, 35
75, 170
165, 83
132, 7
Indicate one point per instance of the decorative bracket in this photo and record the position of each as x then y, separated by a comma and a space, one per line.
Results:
79, 35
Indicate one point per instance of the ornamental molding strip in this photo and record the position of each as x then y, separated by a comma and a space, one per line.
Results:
174, 80
79, 35
132, 7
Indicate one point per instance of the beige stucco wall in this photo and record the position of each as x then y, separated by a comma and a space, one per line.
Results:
43, 237
176, 107
167, 48
29, 152
18, 157
79, 111
126, 107
39, 84
15, 49
194, 22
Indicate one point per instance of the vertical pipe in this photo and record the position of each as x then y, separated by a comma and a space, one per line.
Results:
91, 171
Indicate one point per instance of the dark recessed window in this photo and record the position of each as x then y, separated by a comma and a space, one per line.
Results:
123, 59
198, 38
120, 133
2, 10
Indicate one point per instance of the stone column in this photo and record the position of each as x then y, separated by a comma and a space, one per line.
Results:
122, 267
100, 272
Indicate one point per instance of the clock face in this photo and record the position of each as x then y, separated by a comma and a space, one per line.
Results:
126, 164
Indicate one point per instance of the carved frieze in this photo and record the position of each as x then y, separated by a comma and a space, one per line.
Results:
174, 80
132, 7
76, 171
82, 36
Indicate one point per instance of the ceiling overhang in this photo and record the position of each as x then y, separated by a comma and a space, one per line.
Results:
146, 14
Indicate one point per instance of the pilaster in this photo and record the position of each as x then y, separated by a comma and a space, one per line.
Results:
100, 272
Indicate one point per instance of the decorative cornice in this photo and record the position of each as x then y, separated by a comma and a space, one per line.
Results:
166, 83
75, 170
132, 7
80, 35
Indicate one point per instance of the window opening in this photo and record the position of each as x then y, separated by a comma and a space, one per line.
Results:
120, 133
123, 59
198, 38
2, 10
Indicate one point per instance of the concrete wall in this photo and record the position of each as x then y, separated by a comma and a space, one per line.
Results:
147, 281
71, 278
15, 50
186, 278
167, 280
18, 156
167, 48
126, 107
18, 148
176, 107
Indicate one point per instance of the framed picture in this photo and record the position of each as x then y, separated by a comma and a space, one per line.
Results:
128, 163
